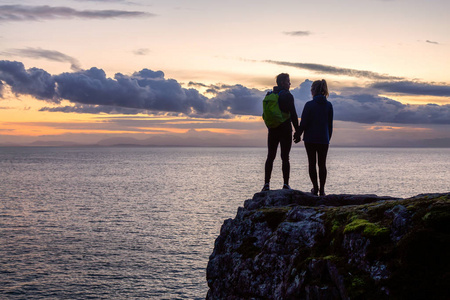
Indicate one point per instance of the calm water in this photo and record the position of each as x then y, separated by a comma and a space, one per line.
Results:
84, 223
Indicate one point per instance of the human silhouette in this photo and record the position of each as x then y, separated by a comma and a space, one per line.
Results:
281, 134
316, 125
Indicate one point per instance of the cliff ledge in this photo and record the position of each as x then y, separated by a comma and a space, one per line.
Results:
287, 244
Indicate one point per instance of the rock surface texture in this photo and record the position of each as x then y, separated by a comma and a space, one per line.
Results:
286, 244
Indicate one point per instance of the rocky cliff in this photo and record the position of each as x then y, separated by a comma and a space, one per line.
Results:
286, 244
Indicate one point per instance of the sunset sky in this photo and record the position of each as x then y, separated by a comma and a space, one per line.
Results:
195, 72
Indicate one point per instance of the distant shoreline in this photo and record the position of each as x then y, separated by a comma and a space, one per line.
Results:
205, 146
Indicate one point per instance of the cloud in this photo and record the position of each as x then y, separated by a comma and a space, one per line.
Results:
149, 91
35, 82
324, 69
302, 93
141, 51
126, 2
45, 54
211, 88
107, 1
297, 33
93, 109
45, 12
240, 100
431, 42
145, 89
370, 109
197, 84
219, 86
414, 88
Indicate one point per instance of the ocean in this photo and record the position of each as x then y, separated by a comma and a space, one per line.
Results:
130, 222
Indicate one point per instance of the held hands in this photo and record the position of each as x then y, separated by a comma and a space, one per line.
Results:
297, 137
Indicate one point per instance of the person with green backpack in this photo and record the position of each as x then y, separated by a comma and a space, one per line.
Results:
278, 114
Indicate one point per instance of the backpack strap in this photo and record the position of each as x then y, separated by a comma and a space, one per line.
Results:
279, 93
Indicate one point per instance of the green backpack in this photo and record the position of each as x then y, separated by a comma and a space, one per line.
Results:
272, 114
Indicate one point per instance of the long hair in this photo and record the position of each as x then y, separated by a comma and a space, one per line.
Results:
319, 87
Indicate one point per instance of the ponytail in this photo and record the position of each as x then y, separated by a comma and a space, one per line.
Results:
319, 87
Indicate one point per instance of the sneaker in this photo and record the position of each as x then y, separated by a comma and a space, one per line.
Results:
265, 187
314, 192
286, 187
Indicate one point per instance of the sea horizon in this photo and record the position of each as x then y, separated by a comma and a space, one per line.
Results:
206, 146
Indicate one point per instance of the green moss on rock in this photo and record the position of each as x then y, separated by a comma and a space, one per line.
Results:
366, 228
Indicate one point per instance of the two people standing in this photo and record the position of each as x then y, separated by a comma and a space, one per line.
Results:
316, 126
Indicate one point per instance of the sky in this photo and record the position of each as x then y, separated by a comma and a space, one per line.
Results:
195, 72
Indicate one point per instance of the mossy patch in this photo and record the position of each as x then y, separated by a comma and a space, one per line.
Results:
445, 198
367, 228
335, 227
248, 249
357, 286
361, 286
336, 219
330, 258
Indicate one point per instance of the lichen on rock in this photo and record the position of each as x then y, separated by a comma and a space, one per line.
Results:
288, 244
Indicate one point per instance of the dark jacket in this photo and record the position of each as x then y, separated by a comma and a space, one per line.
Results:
286, 103
317, 120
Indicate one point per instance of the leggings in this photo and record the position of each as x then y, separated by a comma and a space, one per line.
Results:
282, 136
320, 151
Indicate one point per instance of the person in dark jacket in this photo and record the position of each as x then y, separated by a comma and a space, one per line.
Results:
317, 127
283, 133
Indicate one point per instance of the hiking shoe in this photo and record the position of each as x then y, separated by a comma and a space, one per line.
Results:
265, 187
286, 187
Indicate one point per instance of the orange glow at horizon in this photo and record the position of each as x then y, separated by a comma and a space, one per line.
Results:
39, 130
224, 131
35, 129
396, 128
417, 99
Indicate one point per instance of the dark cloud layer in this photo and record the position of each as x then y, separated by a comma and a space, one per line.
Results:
371, 109
324, 69
150, 92
34, 81
143, 90
45, 12
413, 88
